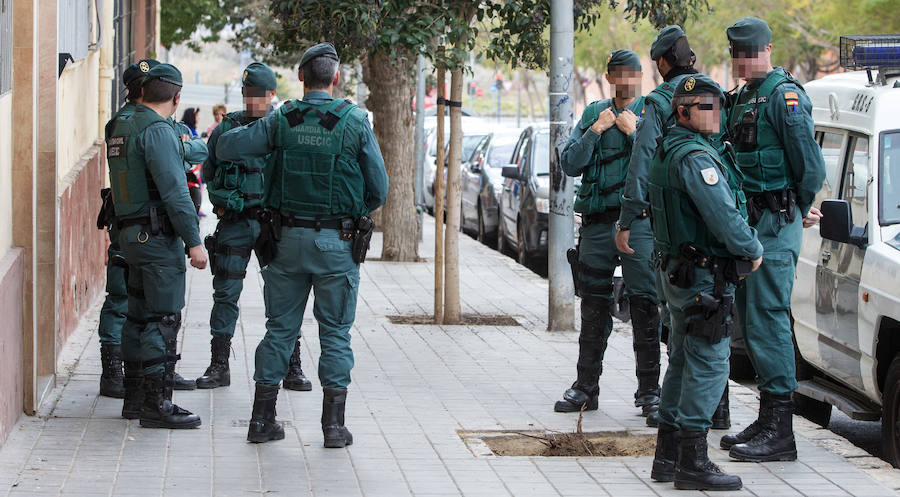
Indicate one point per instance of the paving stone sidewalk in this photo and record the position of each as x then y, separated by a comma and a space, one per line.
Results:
415, 389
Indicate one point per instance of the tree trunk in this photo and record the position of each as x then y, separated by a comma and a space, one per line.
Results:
391, 88
439, 202
452, 314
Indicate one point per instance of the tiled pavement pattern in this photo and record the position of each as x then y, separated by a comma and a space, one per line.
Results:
413, 388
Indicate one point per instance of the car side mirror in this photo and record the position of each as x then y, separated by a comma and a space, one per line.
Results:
837, 224
511, 172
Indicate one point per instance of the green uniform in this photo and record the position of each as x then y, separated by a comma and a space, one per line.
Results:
195, 150
156, 218
785, 164
602, 161
236, 191
694, 204
319, 173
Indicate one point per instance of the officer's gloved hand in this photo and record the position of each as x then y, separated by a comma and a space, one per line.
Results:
198, 257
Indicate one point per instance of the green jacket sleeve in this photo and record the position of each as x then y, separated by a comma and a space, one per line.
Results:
162, 153
194, 149
634, 194
794, 125
716, 206
256, 139
371, 163
208, 171
578, 150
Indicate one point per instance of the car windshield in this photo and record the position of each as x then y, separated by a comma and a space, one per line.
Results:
501, 150
469, 142
542, 154
890, 178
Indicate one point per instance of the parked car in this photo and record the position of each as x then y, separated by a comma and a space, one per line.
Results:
470, 126
482, 183
845, 303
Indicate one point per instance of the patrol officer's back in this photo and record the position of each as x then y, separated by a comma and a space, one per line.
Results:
328, 174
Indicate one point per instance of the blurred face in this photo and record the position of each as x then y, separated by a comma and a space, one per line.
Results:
625, 81
705, 114
751, 63
218, 116
257, 101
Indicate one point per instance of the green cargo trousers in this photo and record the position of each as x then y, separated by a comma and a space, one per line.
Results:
309, 260
598, 250
235, 240
698, 370
115, 305
156, 267
764, 304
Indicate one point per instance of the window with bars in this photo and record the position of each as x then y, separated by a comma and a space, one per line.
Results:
74, 28
5, 46
123, 47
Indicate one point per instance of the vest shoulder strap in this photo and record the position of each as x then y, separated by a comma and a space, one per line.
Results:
592, 112
329, 114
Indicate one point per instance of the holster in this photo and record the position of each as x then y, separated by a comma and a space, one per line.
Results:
107, 213
211, 244
714, 312
572, 257
782, 202
266, 245
365, 226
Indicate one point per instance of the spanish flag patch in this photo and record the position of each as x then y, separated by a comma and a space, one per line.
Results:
791, 100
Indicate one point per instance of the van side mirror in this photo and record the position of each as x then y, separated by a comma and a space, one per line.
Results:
511, 171
837, 224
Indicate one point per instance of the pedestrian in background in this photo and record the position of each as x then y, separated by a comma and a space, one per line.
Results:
218, 111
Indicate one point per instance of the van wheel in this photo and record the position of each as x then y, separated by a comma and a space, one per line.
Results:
890, 416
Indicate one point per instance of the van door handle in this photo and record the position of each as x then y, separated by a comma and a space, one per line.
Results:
826, 256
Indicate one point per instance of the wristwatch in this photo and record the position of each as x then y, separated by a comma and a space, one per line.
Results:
619, 227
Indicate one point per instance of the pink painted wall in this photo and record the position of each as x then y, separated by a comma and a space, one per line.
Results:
12, 274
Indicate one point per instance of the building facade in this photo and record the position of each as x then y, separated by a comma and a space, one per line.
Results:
60, 61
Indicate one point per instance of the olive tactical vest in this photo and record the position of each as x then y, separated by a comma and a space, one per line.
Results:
676, 220
661, 98
603, 179
130, 180
317, 174
237, 185
766, 167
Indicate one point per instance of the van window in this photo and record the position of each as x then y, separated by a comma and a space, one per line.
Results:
889, 180
856, 178
832, 145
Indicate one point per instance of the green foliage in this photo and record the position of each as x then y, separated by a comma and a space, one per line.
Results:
181, 18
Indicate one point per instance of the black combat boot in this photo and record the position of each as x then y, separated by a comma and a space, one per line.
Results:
667, 438
134, 390
645, 340
111, 379
263, 426
694, 470
218, 373
653, 419
750, 431
721, 419
336, 434
158, 411
595, 318
182, 383
775, 440
295, 379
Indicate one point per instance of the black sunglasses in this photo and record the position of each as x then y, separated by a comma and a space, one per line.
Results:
702, 106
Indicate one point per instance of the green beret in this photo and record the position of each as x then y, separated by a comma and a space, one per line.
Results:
623, 58
138, 70
749, 34
320, 50
259, 75
698, 84
665, 40
165, 72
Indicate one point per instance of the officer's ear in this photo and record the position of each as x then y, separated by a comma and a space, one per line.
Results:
337, 77
177, 98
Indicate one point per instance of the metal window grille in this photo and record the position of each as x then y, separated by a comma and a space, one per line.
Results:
74, 27
5, 46
123, 47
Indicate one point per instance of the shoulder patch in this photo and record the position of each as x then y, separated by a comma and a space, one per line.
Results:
710, 175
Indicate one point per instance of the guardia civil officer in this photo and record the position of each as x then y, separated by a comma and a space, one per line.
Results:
156, 219
328, 174
706, 247
115, 305
236, 191
599, 150
771, 127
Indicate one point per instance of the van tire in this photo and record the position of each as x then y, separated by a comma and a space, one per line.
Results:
890, 416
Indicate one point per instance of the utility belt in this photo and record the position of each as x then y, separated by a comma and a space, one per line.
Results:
359, 230
252, 213
346, 225
157, 223
714, 310
606, 217
782, 202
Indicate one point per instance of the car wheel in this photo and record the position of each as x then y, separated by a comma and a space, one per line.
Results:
521, 250
814, 410
502, 245
890, 417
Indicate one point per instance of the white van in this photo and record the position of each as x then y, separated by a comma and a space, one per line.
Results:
846, 300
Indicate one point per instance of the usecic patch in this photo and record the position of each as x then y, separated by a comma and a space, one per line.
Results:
710, 175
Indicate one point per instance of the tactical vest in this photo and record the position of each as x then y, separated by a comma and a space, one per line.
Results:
676, 220
130, 180
603, 179
237, 185
765, 167
317, 174
661, 98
